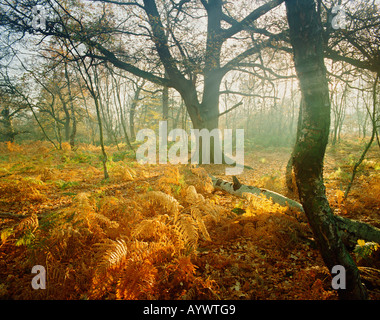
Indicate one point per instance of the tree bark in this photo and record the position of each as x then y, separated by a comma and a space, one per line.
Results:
306, 38
239, 189
289, 166
165, 103
90, 84
96, 98
120, 106
8, 134
357, 230
132, 112
73, 117
67, 119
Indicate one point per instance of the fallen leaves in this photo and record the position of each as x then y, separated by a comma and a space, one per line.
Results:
246, 250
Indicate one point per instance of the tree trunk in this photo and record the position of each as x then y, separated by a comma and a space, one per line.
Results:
209, 108
204, 115
132, 113
67, 116
73, 118
90, 84
290, 183
8, 133
101, 139
121, 117
306, 39
176, 118
209, 124
165, 103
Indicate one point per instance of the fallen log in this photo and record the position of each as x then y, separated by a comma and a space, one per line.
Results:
351, 230
370, 277
238, 189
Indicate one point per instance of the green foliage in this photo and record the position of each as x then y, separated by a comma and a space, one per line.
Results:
83, 157
33, 181
238, 211
4, 158
122, 155
26, 239
50, 221
119, 156
65, 184
340, 174
79, 157
6, 233
364, 250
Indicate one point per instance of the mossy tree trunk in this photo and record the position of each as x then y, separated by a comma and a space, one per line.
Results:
306, 39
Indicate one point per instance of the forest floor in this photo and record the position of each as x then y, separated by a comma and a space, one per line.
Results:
162, 231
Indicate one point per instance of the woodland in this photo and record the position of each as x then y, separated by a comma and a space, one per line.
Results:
81, 80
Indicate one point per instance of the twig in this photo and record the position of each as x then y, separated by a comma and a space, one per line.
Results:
230, 109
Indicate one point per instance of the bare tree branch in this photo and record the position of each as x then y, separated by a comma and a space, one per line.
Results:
232, 108
254, 15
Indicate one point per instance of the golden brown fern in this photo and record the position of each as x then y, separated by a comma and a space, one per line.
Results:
121, 210
201, 205
171, 176
122, 172
259, 204
84, 215
197, 216
187, 228
105, 222
169, 203
137, 281
28, 224
192, 196
204, 181
115, 251
149, 229
20, 189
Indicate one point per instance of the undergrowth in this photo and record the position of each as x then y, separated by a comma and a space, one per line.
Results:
149, 232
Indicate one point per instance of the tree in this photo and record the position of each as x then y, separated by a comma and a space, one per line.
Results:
307, 42
90, 75
374, 121
181, 69
358, 43
120, 107
10, 108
